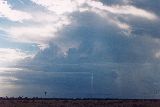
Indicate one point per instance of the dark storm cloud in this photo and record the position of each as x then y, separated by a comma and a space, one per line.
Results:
123, 65
149, 5
98, 41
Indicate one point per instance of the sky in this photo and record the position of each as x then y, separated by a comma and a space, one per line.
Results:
80, 48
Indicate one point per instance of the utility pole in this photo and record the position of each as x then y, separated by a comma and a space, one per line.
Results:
45, 93
92, 87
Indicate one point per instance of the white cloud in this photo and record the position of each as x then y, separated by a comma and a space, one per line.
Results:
60, 6
42, 27
7, 69
57, 6
11, 14
41, 17
123, 10
122, 25
9, 56
32, 34
40, 34
131, 10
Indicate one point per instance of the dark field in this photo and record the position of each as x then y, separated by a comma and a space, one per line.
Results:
77, 103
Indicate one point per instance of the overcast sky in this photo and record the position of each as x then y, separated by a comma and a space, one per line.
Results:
80, 48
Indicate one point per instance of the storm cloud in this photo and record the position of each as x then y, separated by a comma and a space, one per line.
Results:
85, 48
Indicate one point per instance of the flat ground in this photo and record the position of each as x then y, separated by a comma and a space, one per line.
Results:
77, 103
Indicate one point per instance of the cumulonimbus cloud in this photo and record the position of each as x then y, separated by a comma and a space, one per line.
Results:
42, 28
